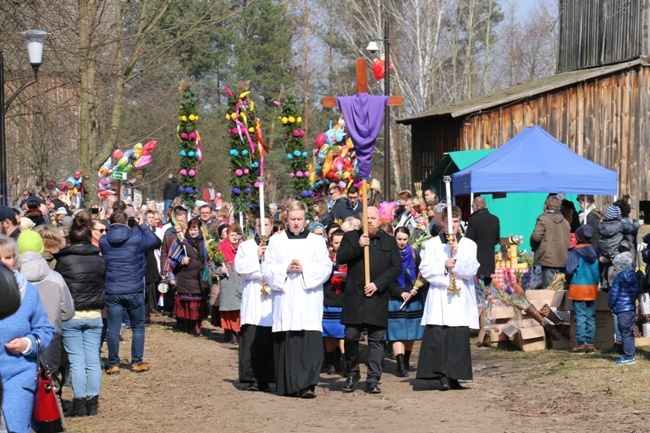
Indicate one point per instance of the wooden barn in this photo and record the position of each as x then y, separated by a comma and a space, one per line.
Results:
598, 102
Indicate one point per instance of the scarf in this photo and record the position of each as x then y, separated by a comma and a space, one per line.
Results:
409, 273
229, 251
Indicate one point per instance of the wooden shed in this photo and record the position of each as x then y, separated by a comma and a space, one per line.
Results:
598, 103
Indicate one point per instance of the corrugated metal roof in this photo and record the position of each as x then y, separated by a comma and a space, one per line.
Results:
522, 91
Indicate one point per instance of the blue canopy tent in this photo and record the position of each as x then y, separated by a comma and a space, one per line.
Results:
534, 161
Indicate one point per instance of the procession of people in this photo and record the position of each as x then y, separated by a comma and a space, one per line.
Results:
297, 296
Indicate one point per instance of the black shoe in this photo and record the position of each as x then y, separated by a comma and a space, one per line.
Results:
329, 369
372, 388
455, 384
308, 393
253, 386
78, 408
350, 382
264, 387
444, 384
91, 405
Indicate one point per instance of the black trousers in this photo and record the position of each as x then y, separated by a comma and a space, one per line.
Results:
375, 350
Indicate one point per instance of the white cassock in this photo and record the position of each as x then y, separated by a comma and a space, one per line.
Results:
443, 309
297, 298
256, 308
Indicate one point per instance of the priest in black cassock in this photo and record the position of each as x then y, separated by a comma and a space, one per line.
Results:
296, 264
445, 353
366, 306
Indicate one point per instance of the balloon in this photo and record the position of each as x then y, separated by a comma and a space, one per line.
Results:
77, 174
103, 171
128, 154
62, 186
105, 193
70, 182
378, 69
320, 140
117, 154
142, 161
338, 163
123, 161
149, 147
137, 153
137, 147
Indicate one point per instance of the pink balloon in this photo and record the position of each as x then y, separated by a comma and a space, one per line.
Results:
320, 140
142, 161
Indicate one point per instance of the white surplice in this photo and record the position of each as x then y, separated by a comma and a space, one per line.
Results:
256, 308
297, 298
440, 308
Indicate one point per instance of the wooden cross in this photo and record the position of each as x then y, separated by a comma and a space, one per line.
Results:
362, 87
393, 101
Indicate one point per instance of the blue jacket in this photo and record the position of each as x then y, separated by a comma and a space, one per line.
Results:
18, 371
123, 250
624, 291
582, 265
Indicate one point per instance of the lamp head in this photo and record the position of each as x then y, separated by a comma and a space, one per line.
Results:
35, 40
372, 47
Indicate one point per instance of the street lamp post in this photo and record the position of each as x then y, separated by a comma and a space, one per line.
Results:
372, 48
35, 51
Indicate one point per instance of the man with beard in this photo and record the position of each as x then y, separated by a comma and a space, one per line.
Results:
8, 222
365, 306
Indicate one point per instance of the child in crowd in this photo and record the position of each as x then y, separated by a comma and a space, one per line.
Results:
582, 266
622, 301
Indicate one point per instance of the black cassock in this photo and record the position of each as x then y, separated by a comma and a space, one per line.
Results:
256, 354
445, 352
298, 359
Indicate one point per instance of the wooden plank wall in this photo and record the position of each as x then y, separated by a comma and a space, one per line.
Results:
604, 120
430, 141
601, 32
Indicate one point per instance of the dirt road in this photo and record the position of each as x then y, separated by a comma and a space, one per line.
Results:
192, 387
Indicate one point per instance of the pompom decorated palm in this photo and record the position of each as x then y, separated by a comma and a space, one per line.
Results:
246, 150
297, 156
190, 145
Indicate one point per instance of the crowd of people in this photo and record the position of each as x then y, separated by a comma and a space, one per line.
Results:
297, 291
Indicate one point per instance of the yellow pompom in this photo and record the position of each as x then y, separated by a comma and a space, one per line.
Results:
299, 119
183, 118
192, 117
227, 116
233, 116
284, 120
251, 129
292, 119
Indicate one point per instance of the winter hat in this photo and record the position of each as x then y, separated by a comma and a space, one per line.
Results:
29, 240
584, 233
61, 211
26, 224
622, 260
612, 212
67, 221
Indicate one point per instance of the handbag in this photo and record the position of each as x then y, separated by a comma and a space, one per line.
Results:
46, 413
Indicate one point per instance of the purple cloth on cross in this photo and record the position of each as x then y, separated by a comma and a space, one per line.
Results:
363, 115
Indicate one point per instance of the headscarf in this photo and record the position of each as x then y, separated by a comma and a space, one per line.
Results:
409, 273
